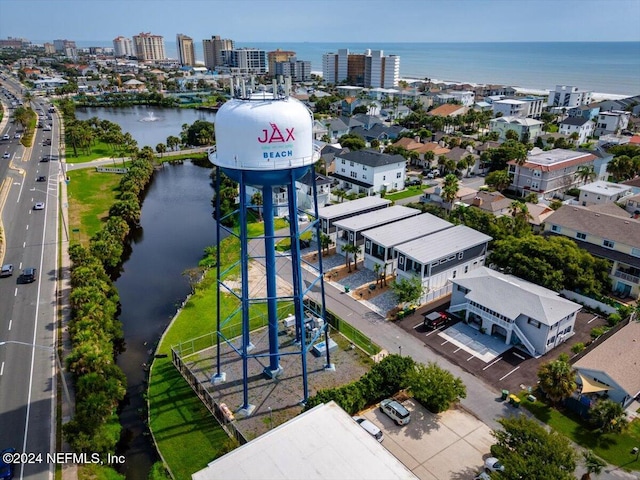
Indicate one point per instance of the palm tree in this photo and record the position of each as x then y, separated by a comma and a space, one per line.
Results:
575, 136
256, 200
585, 173
450, 189
161, 148
351, 249
325, 242
557, 378
592, 463
608, 416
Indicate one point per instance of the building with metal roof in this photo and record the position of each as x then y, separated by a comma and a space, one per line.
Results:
441, 256
323, 443
522, 312
330, 214
379, 242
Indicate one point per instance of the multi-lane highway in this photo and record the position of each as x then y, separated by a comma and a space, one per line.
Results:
28, 310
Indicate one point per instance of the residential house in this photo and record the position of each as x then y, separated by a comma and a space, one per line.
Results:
349, 90
333, 213
304, 185
634, 183
434, 195
456, 154
380, 242
611, 367
590, 112
336, 128
632, 205
611, 122
350, 230
319, 130
580, 125
328, 154
548, 173
630, 104
448, 110
538, 214
378, 132
521, 312
414, 145
369, 172
605, 235
597, 193
464, 97
441, 256
528, 129
489, 202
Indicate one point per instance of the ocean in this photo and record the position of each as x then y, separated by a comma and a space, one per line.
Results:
604, 67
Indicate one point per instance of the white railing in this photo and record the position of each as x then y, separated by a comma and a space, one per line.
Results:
498, 321
627, 277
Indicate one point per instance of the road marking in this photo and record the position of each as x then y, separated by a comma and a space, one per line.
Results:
27, 227
472, 356
418, 325
432, 332
493, 363
10, 323
24, 244
510, 373
15, 294
2, 369
20, 267
594, 318
459, 348
446, 341
518, 355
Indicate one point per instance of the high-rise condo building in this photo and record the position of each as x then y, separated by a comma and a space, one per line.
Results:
149, 47
213, 49
278, 56
123, 47
66, 47
186, 51
245, 61
371, 69
298, 70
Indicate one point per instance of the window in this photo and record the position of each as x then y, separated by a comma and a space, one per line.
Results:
460, 255
537, 173
401, 260
581, 236
399, 175
351, 164
454, 273
608, 243
466, 269
364, 167
534, 322
555, 228
384, 177
342, 170
635, 252
343, 161
535, 185
353, 174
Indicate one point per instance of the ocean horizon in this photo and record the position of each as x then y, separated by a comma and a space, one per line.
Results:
601, 67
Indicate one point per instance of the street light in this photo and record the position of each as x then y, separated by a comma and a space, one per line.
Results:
400, 349
58, 364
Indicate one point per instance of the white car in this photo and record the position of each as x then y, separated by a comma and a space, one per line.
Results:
17, 135
396, 411
39, 206
370, 428
6, 155
6, 136
492, 464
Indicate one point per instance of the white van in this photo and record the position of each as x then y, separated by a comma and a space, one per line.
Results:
371, 429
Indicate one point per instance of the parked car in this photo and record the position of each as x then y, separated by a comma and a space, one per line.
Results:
434, 320
413, 181
370, 428
17, 135
7, 270
6, 155
492, 464
6, 466
6, 136
41, 178
29, 275
396, 411
39, 206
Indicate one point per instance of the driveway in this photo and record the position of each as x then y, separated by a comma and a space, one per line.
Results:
451, 445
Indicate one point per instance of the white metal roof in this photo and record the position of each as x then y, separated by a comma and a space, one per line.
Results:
353, 207
512, 296
321, 444
442, 244
369, 220
406, 230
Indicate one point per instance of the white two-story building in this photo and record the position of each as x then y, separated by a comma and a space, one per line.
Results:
369, 172
521, 312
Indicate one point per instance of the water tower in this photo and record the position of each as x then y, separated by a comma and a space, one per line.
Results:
264, 142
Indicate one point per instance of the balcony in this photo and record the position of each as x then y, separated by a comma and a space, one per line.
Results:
484, 314
625, 276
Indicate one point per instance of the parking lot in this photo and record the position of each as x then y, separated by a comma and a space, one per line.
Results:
451, 445
487, 357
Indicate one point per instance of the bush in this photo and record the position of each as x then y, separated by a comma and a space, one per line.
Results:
598, 331
613, 319
578, 347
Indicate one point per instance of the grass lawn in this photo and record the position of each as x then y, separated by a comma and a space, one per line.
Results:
98, 150
91, 194
408, 192
614, 448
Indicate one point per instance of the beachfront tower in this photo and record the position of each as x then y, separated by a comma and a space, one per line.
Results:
264, 140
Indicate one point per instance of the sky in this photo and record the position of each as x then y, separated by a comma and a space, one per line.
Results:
325, 20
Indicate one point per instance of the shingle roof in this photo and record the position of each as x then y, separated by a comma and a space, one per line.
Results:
619, 357
512, 296
611, 227
575, 121
446, 110
372, 158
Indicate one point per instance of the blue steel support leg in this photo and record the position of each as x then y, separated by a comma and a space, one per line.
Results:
219, 376
244, 266
272, 291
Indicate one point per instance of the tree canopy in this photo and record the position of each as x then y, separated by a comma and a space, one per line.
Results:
435, 387
554, 262
528, 450
557, 378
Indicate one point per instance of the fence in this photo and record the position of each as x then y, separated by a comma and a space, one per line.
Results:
207, 399
346, 329
589, 302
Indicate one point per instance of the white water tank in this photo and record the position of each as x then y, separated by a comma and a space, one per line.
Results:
262, 133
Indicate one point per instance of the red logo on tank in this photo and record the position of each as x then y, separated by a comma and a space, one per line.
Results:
276, 135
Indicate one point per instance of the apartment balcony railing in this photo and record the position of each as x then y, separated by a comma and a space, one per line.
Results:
627, 277
498, 321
